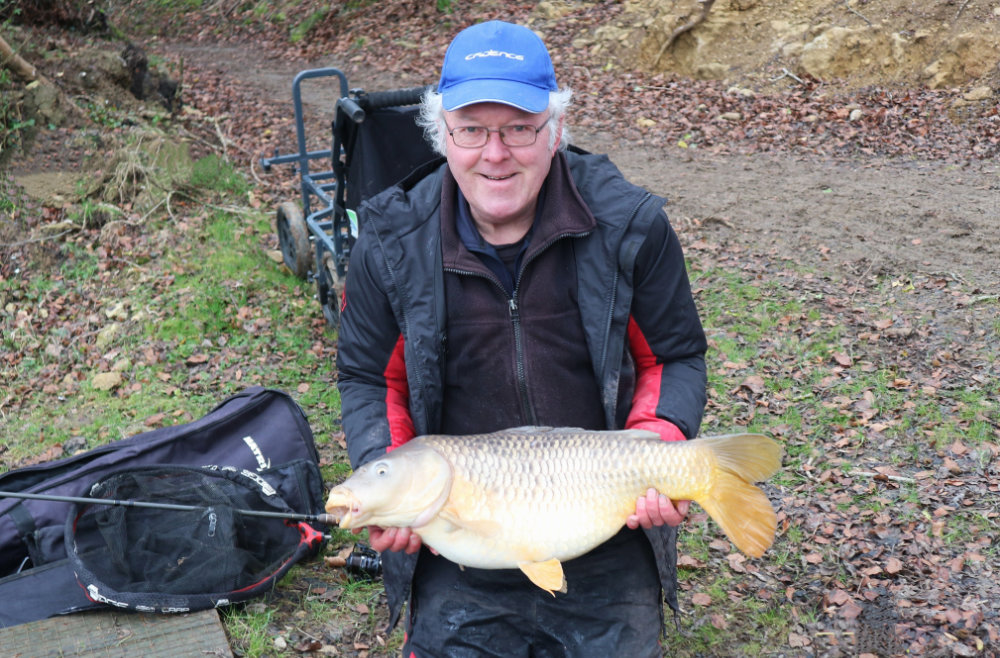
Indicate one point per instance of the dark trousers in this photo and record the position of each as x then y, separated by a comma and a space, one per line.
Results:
613, 607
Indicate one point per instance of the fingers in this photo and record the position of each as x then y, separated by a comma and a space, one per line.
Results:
393, 539
655, 509
671, 512
413, 543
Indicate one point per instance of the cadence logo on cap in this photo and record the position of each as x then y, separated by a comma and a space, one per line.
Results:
494, 53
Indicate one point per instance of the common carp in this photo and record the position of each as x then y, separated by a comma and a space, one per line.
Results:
533, 497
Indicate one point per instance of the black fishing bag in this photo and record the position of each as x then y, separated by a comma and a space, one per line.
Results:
254, 451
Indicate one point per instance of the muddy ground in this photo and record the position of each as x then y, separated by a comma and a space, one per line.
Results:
851, 217
847, 217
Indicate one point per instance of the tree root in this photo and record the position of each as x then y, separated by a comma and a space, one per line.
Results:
706, 6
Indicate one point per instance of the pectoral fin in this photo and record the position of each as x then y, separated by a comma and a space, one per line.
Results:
483, 528
548, 575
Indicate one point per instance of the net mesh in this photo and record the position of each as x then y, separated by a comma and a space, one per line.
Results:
139, 555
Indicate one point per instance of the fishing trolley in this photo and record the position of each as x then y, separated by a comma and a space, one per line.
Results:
375, 143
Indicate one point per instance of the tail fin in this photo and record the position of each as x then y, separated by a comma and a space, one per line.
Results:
742, 510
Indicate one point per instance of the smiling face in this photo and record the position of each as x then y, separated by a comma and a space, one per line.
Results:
500, 182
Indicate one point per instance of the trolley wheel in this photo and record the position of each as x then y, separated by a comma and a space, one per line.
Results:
331, 290
293, 236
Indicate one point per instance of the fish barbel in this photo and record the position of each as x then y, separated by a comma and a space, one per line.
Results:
533, 497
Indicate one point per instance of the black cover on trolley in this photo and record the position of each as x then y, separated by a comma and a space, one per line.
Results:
383, 150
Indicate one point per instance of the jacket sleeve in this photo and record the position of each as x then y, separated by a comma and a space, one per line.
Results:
666, 340
374, 395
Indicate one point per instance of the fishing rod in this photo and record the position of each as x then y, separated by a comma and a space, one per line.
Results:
325, 519
362, 559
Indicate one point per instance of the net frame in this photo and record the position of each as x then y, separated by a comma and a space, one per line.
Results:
156, 560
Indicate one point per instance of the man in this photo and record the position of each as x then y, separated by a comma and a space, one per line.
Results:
519, 283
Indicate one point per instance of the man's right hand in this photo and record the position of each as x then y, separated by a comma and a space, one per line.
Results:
392, 539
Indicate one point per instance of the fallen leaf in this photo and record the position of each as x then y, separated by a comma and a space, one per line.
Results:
690, 562
701, 599
838, 597
308, 645
736, 561
720, 545
850, 610
755, 384
154, 420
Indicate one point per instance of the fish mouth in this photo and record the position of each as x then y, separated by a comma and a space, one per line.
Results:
345, 508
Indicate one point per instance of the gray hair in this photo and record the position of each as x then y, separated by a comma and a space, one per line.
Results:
431, 118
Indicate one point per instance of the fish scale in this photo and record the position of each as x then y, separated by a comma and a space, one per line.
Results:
533, 497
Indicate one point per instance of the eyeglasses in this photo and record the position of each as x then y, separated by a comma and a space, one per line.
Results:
471, 137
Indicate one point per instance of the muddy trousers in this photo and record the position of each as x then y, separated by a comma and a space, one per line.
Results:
613, 607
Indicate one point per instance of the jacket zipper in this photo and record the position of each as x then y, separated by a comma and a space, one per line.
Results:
515, 319
520, 370
522, 376
515, 316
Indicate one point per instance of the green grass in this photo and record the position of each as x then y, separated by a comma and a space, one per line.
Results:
775, 366
301, 30
214, 295
206, 312
250, 625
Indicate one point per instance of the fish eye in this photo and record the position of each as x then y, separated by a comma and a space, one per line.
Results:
381, 469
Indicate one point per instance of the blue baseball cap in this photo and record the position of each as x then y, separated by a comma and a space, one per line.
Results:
497, 62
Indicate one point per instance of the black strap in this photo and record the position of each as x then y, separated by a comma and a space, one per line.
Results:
26, 527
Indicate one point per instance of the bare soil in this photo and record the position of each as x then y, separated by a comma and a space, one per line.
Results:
849, 216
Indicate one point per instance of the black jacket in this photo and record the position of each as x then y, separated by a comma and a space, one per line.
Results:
641, 327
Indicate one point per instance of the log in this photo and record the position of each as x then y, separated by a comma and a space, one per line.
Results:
18, 66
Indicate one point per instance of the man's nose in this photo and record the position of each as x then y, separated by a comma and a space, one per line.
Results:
495, 148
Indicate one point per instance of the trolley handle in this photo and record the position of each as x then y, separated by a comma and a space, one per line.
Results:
352, 109
394, 98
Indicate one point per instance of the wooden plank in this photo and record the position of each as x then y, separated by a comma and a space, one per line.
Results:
113, 633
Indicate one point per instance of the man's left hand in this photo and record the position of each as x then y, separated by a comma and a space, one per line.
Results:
655, 509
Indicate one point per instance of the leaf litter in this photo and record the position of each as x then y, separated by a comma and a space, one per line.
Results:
888, 530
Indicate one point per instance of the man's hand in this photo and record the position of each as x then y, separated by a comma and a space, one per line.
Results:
655, 509
392, 539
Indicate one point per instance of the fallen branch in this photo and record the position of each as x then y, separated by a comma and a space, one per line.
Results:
961, 9
44, 238
28, 73
785, 73
17, 64
880, 476
706, 5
